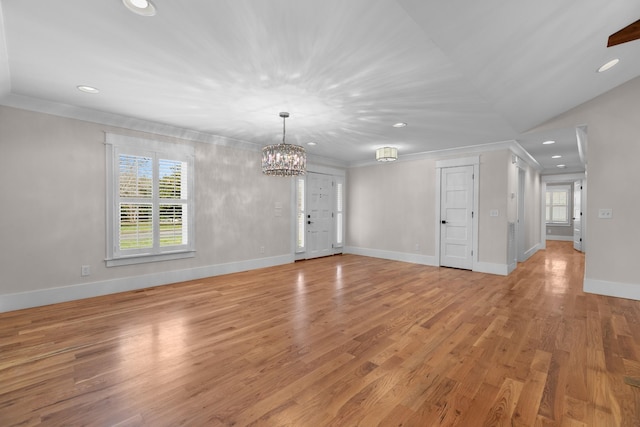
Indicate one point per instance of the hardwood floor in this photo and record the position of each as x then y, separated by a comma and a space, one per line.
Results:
338, 341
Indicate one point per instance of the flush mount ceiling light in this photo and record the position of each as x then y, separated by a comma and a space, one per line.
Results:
562, 166
284, 159
557, 156
87, 89
608, 65
311, 144
140, 7
387, 154
548, 142
399, 125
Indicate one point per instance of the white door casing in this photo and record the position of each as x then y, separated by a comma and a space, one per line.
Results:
456, 217
577, 215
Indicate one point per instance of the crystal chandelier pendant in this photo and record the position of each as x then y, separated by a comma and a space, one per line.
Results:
284, 159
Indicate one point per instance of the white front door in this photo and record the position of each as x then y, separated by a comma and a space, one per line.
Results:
577, 215
319, 215
456, 217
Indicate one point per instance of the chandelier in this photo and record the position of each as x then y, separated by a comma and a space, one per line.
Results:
284, 159
387, 154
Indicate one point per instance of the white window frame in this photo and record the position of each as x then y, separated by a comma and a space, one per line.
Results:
117, 145
558, 188
301, 214
339, 211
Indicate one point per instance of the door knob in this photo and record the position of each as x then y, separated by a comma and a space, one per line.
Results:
444, 221
309, 222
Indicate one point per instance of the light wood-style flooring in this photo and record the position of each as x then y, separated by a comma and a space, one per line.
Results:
338, 341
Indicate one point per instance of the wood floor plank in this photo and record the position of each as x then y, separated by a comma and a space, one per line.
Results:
343, 340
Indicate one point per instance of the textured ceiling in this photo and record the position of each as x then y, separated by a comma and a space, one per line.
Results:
459, 72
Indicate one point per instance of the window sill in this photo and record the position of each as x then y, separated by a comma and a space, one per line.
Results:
557, 224
142, 259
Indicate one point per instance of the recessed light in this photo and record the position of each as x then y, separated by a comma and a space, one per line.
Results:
140, 7
557, 156
549, 142
562, 166
87, 89
312, 143
608, 65
399, 125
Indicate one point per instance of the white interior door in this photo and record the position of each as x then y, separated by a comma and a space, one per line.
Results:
456, 217
577, 215
319, 215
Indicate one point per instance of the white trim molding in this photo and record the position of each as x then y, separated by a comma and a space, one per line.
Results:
36, 298
612, 289
491, 268
392, 255
558, 237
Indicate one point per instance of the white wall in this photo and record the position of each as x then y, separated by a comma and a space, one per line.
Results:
391, 209
612, 182
53, 216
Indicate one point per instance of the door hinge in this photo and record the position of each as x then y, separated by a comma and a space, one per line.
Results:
471, 252
331, 214
473, 176
471, 214
581, 239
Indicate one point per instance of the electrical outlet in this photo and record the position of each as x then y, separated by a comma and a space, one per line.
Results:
416, 247
261, 249
605, 213
85, 270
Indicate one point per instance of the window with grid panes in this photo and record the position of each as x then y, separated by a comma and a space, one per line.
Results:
149, 206
557, 205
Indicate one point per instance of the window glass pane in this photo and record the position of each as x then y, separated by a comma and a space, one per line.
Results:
339, 197
339, 228
300, 213
135, 176
559, 197
300, 239
548, 214
300, 195
172, 175
559, 214
173, 224
135, 230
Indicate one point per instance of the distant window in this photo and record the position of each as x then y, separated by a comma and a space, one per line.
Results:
149, 206
557, 205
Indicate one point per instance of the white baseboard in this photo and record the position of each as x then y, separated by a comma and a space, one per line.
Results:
562, 238
612, 289
482, 267
530, 252
17, 301
392, 255
491, 268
